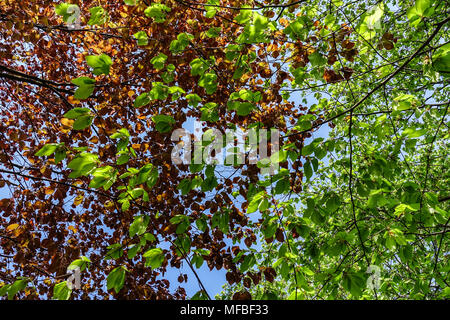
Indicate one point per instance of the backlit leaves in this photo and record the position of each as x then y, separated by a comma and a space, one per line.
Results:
82, 116
209, 82
101, 64
53, 148
361, 113
421, 8
99, 16
85, 88
83, 164
139, 226
61, 291
116, 279
157, 12
179, 44
141, 37
441, 60
158, 61
69, 12
163, 123
154, 258
11, 290
103, 177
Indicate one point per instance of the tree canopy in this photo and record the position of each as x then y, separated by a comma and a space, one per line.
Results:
92, 92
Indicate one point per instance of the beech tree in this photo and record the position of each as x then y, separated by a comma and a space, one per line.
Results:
92, 91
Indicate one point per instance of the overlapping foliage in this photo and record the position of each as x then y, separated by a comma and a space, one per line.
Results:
91, 91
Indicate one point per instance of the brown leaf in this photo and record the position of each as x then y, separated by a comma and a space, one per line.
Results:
330, 76
242, 295
270, 274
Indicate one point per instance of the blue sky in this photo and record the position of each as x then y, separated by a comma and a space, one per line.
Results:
214, 279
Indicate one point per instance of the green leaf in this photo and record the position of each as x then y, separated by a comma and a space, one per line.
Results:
130, 2
85, 88
316, 59
244, 16
176, 92
146, 173
60, 155
297, 294
133, 250
185, 186
101, 63
242, 108
157, 12
441, 60
115, 251
116, 279
213, 32
282, 186
123, 158
307, 170
99, 16
200, 295
373, 17
81, 264
297, 29
61, 291
159, 61
142, 100
68, 11
209, 184
198, 66
17, 286
149, 237
168, 76
248, 263
154, 258
419, 10
47, 149
193, 99
159, 91
209, 82
279, 156
412, 133
103, 177
403, 208
201, 224
141, 37
75, 113
270, 227
139, 226
445, 294
4, 289
83, 164
354, 283
258, 202
179, 44
254, 32
163, 122
232, 52
179, 218
125, 204
197, 261
210, 112
83, 122
332, 203
152, 178
210, 11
